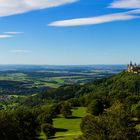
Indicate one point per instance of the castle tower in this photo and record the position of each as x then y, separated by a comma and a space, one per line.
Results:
133, 68
130, 67
131, 64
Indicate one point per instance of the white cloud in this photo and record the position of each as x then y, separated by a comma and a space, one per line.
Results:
4, 36
132, 4
129, 15
13, 33
20, 51
94, 20
137, 11
12, 7
9, 34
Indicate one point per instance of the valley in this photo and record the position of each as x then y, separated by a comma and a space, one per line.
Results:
27, 80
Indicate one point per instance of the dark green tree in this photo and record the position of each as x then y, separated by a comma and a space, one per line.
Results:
136, 110
25, 122
114, 124
45, 118
96, 107
66, 110
48, 130
8, 129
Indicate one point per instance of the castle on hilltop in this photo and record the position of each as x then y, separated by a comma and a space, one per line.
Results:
133, 68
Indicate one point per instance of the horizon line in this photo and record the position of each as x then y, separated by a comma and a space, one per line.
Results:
70, 64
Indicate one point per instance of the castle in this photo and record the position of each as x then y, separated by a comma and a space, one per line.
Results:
133, 68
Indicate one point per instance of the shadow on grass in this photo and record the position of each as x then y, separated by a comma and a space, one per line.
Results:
75, 108
74, 117
57, 130
58, 117
57, 137
61, 130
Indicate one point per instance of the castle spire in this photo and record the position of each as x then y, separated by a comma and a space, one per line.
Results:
131, 63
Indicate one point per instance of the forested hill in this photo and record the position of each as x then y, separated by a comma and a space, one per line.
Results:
121, 83
125, 83
119, 86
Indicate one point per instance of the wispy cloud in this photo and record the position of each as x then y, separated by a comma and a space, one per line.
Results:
12, 7
20, 51
129, 15
94, 20
13, 33
4, 36
132, 4
9, 34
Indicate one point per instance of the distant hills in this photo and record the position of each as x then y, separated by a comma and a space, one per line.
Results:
33, 79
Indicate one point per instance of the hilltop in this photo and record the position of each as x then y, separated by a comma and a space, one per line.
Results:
122, 82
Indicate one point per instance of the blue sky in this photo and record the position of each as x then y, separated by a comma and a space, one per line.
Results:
69, 31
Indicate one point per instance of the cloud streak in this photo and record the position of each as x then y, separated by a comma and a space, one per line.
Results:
129, 15
4, 36
12, 7
20, 51
13, 33
94, 20
125, 4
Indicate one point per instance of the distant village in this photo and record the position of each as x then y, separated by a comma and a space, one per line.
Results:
133, 68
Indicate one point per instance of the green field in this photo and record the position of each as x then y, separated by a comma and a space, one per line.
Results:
68, 128
30, 81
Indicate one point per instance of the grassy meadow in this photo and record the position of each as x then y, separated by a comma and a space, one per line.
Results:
67, 129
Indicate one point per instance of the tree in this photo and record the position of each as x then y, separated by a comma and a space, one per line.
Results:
66, 110
136, 110
26, 123
75, 102
114, 124
44, 118
48, 130
8, 129
18, 125
96, 107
